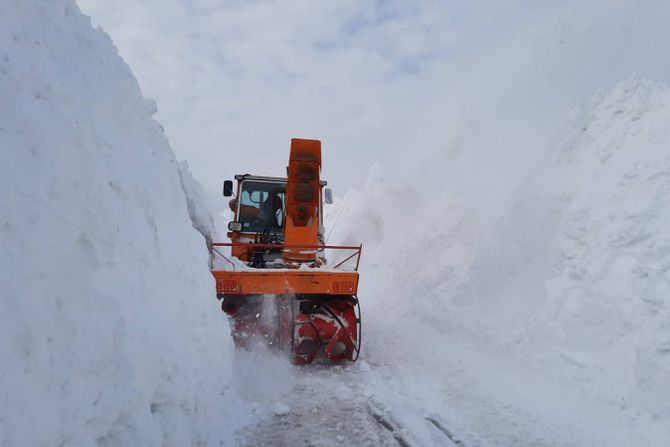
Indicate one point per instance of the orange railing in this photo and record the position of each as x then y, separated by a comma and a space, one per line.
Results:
356, 250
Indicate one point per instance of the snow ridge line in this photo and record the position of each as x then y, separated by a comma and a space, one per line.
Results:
390, 426
448, 433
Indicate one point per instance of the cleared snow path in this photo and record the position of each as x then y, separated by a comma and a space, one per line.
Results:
334, 407
321, 420
325, 406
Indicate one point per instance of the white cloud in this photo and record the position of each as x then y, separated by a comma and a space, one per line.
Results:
235, 80
375, 80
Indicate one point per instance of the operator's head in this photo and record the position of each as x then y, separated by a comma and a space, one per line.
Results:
276, 200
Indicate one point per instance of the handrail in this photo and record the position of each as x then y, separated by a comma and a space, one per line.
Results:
358, 249
251, 244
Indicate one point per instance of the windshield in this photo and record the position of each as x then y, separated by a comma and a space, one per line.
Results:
261, 207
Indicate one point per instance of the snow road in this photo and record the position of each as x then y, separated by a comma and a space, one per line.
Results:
459, 394
319, 413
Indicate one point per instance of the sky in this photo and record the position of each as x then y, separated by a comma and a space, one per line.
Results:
235, 80
390, 81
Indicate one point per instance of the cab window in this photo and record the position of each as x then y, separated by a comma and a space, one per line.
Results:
261, 207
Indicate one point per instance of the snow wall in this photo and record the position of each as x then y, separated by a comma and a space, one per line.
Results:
109, 329
531, 211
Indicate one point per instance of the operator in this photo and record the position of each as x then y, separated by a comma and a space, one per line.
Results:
267, 210
270, 206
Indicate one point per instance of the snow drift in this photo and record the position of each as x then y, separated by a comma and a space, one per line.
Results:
569, 274
109, 333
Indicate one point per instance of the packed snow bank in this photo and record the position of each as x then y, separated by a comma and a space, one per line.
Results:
573, 275
109, 332
606, 269
569, 271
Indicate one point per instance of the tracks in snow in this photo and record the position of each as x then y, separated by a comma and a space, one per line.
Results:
401, 435
386, 423
452, 437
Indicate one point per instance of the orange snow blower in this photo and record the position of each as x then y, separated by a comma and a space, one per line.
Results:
277, 285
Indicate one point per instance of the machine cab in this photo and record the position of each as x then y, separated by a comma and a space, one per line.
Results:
259, 205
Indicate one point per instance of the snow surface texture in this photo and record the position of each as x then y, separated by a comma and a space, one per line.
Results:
606, 277
109, 333
544, 317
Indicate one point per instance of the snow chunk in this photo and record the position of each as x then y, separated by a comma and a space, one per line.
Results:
280, 409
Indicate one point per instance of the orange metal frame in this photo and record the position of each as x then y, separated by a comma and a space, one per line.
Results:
287, 281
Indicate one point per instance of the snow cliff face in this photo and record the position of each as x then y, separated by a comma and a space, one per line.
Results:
109, 332
573, 275
607, 277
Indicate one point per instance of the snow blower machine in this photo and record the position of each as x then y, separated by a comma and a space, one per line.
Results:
278, 281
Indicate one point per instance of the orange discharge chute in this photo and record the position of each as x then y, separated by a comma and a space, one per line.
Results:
303, 200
